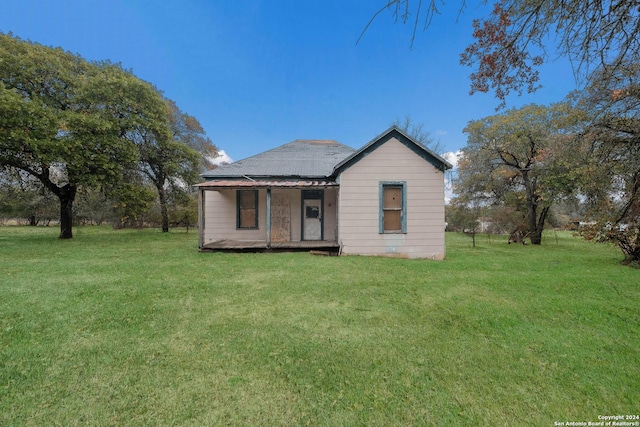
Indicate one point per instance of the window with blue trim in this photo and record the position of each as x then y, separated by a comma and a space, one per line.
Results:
393, 207
247, 209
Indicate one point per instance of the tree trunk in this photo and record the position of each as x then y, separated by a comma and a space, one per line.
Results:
67, 195
536, 233
163, 209
535, 224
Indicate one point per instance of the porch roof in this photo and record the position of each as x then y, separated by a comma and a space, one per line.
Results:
231, 183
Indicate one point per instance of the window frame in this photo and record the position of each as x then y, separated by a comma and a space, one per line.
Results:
239, 208
403, 209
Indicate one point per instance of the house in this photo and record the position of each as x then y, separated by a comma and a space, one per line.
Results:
387, 198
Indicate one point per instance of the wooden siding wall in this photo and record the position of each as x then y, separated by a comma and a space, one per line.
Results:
220, 218
330, 215
359, 205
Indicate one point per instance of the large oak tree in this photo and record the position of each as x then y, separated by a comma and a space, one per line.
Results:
611, 176
521, 157
69, 122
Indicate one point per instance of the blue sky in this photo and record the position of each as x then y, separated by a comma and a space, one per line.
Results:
261, 73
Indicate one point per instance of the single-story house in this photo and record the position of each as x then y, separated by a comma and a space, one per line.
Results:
386, 198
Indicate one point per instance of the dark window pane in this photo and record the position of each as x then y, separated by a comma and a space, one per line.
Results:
247, 209
312, 212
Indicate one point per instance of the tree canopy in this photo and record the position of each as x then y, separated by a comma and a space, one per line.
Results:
520, 157
518, 36
611, 176
171, 162
585, 151
69, 122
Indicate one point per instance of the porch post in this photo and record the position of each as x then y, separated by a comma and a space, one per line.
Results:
201, 199
268, 217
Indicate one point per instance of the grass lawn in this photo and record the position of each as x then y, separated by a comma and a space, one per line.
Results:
138, 328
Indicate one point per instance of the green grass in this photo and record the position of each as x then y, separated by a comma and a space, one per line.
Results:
138, 328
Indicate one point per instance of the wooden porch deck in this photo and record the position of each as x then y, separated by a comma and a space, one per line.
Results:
261, 245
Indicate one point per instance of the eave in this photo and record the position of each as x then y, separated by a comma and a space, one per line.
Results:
230, 183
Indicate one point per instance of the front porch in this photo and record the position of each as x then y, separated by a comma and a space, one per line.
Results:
274, 215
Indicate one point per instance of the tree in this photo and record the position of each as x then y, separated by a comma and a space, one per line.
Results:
184, 212
24, 198
418, 133
133, 202
611, 177
511, 42
163, 160
519, 158
172, 161
66, 121
93, 206
463, 217
188, 130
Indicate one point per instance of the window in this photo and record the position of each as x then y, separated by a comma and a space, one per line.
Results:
247, 209
393, 207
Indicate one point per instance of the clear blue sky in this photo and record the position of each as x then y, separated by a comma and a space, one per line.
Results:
261, 73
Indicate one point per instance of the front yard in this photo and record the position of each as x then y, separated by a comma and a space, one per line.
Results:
135, 327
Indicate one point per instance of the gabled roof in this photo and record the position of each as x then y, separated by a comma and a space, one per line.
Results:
393, 132
314, 159
299, 158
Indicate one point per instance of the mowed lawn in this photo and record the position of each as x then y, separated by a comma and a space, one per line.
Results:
139, 328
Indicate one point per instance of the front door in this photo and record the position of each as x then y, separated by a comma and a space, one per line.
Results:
280, 218
312, 219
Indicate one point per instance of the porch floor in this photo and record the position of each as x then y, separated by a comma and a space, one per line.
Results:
328, 245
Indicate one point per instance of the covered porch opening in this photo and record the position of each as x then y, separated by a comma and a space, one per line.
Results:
286, 215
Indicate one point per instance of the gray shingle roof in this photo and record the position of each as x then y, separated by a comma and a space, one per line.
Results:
299, 158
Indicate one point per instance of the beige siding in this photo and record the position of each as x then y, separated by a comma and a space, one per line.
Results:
359, 205
220, 218
329, 216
